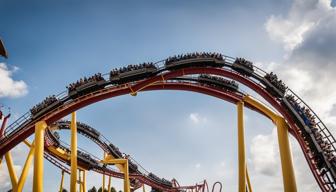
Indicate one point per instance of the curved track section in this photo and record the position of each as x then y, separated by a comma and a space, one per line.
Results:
138, 174
316, 141
114, 151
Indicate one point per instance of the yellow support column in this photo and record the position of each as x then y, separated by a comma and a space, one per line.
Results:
127, 181
249, 186
288, 175
241, 149
124, 163
103, 187
73, 177
84, 180
109, 184
11, 170
286, 156
80, 181
62, 182
38, 156
25, 170
143, 188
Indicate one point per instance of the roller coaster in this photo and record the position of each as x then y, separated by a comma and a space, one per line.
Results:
211, 74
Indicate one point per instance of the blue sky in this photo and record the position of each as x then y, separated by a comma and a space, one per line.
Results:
53, 43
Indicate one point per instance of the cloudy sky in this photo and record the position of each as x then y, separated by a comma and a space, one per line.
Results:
179, 135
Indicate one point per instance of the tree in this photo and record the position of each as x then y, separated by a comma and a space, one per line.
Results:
113, 189
100, 190
93, 189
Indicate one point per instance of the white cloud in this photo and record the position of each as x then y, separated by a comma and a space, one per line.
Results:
8, 86
307, 32
266, 166
197, 118
19, 155
264, 153
303, 16
287, 32
197, 165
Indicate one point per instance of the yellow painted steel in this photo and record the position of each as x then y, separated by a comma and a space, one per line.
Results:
73, 177
38, 156
109, 184
126, 179
241, 149
59, 153
80, 182
286, 156
257, 104
124, 163
104, 156
84, 180
62, 182
119, 166
103, 187
27, 143
289, 181
11, 170
26, 167
249, 186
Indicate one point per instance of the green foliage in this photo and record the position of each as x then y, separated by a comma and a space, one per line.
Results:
100, 190
93, 189
113, 189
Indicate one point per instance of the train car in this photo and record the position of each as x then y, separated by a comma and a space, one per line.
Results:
167, 182
306, 130
86, 160
218, 82
134, 73
154, 177
56, 138
273, 90
91, 132
243, 66
63, 124
52, 139
295, 111
80, 128
44, 107
194, 62
274, 86
155, 190
101, 166
115, 151
132, 166
83, 88
87, 130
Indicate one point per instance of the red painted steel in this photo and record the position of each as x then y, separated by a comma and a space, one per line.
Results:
122, 90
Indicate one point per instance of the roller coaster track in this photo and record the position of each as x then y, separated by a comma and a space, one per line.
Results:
139, 175
322, 168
